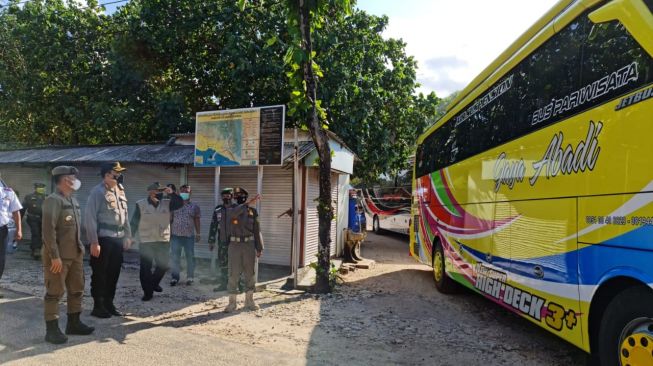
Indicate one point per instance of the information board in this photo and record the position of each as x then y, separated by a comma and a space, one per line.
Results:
240, 137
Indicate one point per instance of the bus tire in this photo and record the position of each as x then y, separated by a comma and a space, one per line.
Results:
376, 225
626, 331
443, 282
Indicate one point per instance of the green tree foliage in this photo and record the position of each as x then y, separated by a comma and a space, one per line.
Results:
73, 75
54, 73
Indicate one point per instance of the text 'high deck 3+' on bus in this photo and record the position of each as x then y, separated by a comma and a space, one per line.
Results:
535, 190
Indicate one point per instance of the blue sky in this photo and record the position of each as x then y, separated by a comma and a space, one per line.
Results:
454, 40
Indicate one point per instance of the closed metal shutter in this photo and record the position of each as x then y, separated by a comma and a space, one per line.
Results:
21, 180
334, 222
201, 181
312, 221
311, 240
277, 231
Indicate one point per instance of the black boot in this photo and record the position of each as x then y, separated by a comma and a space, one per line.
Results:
53, 333
99, 311
75, 326
108, 304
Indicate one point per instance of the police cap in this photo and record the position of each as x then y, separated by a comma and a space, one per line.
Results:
64, 170
241, 191
39, 185
107, 167
227, 191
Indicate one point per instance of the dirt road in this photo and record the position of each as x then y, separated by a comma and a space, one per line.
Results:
388, 315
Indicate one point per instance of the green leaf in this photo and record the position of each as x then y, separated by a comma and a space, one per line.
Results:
271, 41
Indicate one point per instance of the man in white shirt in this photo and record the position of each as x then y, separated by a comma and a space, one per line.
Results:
9, 210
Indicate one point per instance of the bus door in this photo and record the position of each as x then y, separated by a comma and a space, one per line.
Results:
543, 272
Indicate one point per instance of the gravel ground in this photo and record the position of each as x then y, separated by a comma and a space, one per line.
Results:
389, 314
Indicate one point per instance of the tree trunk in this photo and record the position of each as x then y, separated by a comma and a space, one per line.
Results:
321, 141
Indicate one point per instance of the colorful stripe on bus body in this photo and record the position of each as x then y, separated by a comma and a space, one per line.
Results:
551, 289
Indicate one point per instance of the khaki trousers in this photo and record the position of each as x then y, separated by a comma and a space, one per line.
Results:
242, 259
70, 280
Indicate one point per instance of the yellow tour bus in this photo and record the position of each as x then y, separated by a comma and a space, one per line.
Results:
535, 189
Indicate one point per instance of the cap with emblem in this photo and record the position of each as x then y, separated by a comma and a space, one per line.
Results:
64, 170
107, 167
39, 185
227, 191
155, 187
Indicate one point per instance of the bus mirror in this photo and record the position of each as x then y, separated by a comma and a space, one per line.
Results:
633, 14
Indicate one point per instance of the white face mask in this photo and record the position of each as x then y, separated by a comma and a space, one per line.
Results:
76, 184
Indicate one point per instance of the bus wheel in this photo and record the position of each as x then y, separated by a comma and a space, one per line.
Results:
626, 333
376, 226
443, 282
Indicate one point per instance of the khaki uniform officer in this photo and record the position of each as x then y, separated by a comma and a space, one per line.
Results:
62, 254
245, 245
107, 228
33, 204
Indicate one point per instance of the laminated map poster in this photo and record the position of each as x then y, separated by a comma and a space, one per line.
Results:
239, 137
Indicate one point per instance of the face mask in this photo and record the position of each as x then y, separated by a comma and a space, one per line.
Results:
226, 201
76, 184
159, 196
241, 199
184, 196
40, 190
120, 179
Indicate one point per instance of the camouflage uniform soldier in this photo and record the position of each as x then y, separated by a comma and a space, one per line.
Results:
219, 213
245, 245
33, 204
63, 252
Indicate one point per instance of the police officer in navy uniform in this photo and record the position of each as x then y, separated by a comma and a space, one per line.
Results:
219, 212
106, 223
33, 204
245, 245
63, 253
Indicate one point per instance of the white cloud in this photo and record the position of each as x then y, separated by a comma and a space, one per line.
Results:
454, 40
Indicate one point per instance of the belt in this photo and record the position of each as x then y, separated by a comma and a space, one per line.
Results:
111, 227
244, 239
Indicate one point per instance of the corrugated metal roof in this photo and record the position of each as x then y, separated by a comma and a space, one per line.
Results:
305, 148
146, 153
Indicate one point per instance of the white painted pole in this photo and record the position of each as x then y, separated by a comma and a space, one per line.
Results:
296, 221
259, 190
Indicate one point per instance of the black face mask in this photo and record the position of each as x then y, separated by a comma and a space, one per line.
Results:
241, 199
159, 196
120, 179
226, 201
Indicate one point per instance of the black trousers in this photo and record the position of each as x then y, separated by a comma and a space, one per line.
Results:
106, 268
3, 247
35, 228
155, 255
